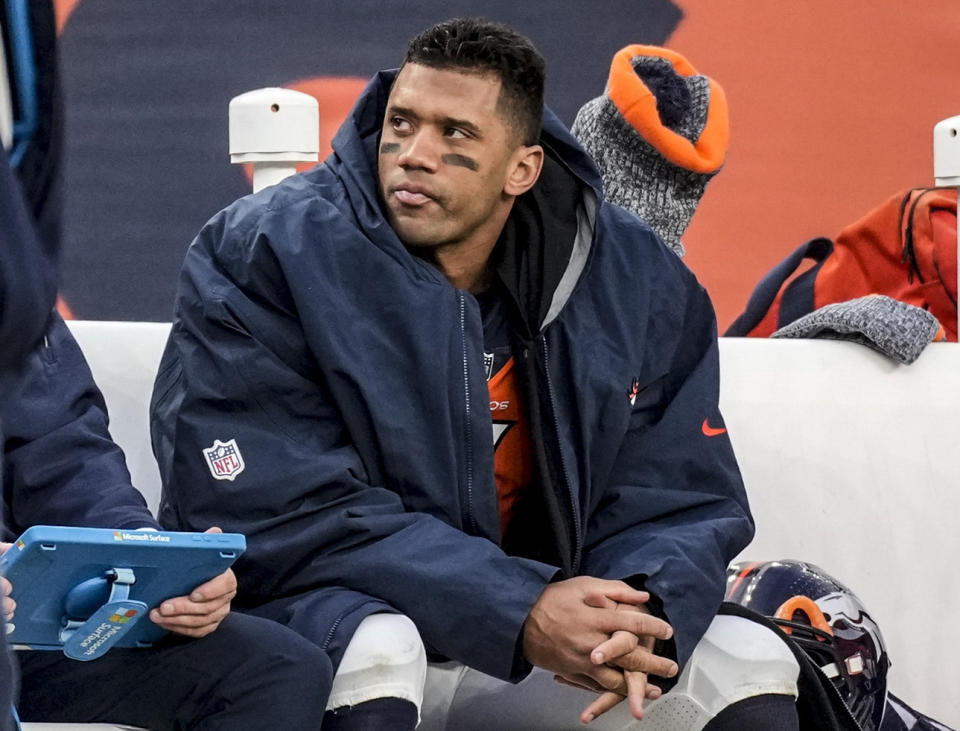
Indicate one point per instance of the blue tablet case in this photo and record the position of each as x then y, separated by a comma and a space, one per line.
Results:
85, 590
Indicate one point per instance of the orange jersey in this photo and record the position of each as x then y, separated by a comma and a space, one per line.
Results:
512, 448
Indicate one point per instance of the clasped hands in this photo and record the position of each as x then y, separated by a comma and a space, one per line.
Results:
598, 635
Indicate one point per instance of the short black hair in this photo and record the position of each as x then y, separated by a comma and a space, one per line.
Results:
477, 45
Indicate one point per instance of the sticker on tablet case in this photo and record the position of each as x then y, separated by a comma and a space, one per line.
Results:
224, 460
104, 629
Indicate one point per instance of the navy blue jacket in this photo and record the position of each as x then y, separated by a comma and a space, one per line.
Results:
28, 272
350, 375
60, 465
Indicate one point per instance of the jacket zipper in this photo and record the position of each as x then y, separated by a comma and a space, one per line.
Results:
574, 511
336, 623
468, 433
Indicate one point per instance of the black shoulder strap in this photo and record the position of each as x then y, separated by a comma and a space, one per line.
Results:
798, 297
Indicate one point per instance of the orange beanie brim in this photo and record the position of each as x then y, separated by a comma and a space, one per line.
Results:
638, 105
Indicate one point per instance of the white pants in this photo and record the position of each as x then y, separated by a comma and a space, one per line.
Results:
735, 660
385, 659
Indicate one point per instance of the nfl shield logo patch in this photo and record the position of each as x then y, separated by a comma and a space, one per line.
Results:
224, 460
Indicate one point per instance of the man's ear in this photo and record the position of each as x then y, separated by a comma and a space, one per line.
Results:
525, 166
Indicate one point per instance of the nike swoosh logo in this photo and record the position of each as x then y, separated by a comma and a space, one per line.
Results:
711, 431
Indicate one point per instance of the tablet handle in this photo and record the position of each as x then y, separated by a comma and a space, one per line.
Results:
92, 638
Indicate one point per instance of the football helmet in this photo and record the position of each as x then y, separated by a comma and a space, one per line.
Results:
827, 621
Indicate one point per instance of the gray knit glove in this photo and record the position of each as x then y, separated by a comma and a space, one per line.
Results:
658, 134
896, 329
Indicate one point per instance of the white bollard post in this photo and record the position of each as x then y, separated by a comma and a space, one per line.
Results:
946, 163
273, 129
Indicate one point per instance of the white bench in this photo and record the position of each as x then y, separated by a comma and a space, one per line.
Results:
850, 461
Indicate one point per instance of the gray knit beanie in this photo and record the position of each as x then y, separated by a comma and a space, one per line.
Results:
658, 134
896, 329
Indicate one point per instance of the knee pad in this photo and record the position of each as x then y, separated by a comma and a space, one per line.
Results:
736, 659
385, 659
